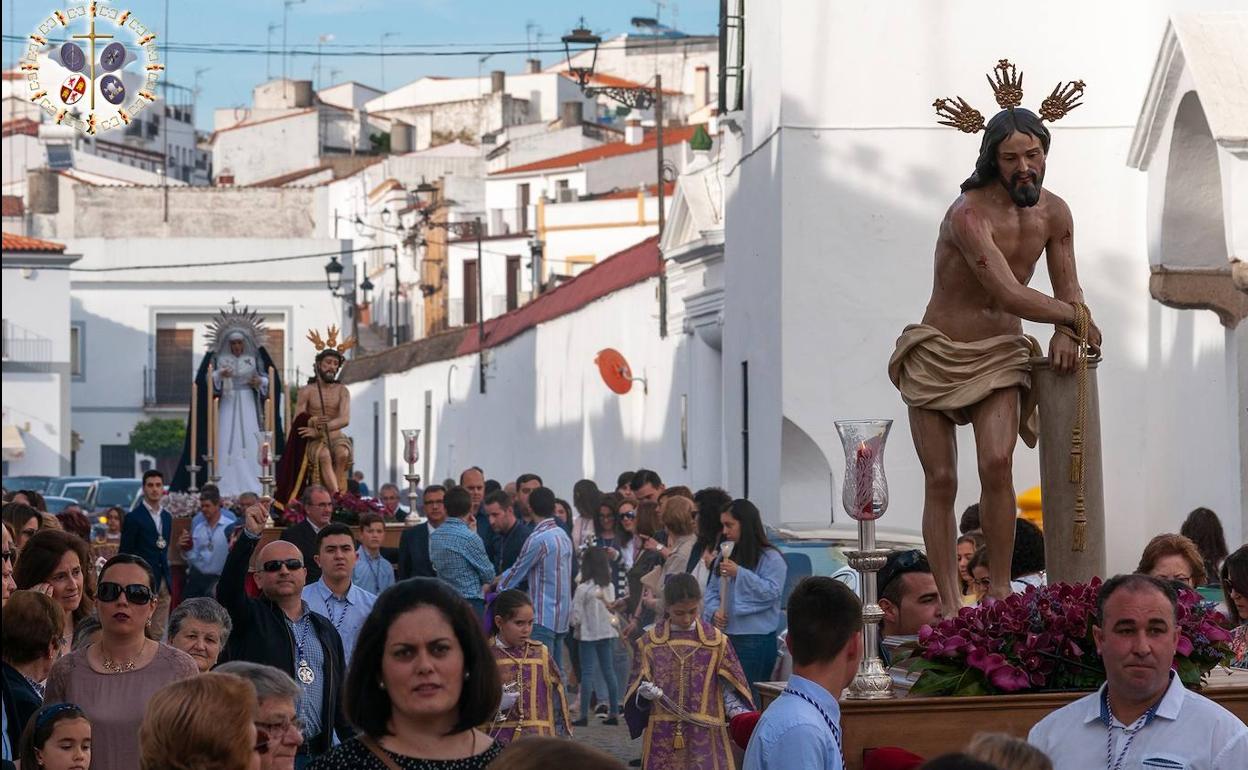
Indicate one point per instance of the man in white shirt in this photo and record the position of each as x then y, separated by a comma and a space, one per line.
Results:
1142, 716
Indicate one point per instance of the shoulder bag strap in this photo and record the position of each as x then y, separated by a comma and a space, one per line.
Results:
378, 752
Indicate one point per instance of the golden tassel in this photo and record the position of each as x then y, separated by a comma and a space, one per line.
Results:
678, 740
1076, 456
1079, 538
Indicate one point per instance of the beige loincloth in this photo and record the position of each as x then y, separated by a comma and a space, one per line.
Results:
934, 372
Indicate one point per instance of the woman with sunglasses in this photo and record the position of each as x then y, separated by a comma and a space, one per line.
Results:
1235, 588
112, 679
58, 564
204, 723
24, 520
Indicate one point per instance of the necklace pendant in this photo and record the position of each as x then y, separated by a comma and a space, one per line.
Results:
305, 673
160, 543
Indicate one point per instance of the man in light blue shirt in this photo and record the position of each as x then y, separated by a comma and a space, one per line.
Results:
206, 544
802, 727
373, 572
334, 597
545, 561
458, 554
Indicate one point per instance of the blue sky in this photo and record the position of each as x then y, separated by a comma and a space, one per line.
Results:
478, 24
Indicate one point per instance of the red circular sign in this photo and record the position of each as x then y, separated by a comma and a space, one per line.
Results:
614, 370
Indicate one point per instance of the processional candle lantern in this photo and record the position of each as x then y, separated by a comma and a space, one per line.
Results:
411, 454
864, 495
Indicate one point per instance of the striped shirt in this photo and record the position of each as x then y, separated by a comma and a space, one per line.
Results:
459, 557
546, 562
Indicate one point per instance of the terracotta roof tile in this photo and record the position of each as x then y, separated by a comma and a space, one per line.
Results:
612, 81
20, 126
613, 149
14, 206
669, 189
13, 242
618, 271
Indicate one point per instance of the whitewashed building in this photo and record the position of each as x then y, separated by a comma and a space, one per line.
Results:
42, 355
837, 177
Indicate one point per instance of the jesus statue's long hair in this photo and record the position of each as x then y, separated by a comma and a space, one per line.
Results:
1002, 125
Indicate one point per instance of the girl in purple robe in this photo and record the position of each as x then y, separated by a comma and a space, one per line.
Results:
687, 685
534, 702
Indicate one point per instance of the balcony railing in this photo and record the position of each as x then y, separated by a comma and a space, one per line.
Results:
24, 350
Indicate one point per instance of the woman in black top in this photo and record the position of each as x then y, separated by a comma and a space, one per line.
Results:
421, 679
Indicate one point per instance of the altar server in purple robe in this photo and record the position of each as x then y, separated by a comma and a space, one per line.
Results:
534, 702
687, 686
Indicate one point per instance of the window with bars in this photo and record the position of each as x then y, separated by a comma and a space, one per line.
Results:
116, 461
731, 55
175, 365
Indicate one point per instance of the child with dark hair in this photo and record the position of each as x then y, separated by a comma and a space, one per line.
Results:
598, 630
688, 685
57, 736
534, 702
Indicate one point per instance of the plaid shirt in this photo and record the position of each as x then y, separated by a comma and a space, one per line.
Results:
459, 557
546, 562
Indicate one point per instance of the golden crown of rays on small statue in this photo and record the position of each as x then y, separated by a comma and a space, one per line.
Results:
331, 341
1007, 87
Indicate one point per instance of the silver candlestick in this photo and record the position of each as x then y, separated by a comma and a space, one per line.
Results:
193, 469
264, 441
865, 498
411, 454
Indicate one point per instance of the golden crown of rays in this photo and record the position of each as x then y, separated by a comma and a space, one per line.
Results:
245, 321
1007, 87
331, 341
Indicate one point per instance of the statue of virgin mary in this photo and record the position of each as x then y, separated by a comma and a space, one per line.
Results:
240, 378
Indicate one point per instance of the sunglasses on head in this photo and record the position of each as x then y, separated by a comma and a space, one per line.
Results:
275, 565
899, 563
136, 593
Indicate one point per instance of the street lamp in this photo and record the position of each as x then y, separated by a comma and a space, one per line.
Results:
333, 275
635, 97
366, 289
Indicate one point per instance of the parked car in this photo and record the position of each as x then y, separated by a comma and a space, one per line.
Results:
34, 483
77, 490
58, 504
106, 493
56, 486
822, 552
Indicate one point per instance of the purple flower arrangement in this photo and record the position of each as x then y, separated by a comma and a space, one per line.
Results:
1041, 640
348, 509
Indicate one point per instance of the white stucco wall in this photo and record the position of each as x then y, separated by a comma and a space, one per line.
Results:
266, 150
832, 219
546, 409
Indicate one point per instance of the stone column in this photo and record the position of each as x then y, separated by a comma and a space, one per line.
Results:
1056, 398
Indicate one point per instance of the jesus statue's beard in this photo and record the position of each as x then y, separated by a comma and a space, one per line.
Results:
328, 377
1024, 189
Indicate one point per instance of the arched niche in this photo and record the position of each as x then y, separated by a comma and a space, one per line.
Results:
1193, 233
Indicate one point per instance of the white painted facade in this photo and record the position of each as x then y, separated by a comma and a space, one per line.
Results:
37, 361
545, 91
837, 178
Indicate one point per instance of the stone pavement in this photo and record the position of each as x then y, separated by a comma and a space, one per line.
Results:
613, 740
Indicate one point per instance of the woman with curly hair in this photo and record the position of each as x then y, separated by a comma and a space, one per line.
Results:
59, 564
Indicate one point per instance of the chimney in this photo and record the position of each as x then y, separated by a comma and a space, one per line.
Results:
701, 86
633, 132
573, 114
532, 66
498, 81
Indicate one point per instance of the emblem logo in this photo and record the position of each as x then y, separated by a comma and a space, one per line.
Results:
105, 60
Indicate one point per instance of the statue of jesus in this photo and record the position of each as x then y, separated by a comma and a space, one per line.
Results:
317, 451
968, 361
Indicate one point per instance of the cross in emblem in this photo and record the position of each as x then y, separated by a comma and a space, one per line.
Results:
92, 36
233, 305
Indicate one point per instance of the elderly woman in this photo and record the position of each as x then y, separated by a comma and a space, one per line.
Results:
199, 627
275, 716
114, 678
31, 635
422, 678
204, 723
1173, 557
58, 564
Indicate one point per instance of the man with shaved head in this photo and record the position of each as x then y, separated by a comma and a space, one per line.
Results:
279, 629
473, 480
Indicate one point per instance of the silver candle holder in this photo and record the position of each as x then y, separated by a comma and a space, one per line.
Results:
411, 454
264, 444
864, 495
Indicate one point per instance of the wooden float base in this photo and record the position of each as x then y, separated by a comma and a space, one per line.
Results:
933, 726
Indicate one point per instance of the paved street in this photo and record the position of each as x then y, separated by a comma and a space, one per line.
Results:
613, 740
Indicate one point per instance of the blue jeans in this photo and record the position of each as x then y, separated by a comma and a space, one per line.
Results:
553, 642
596, 659
757, 653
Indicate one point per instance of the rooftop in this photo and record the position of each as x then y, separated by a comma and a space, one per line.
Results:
613, 149
13, 242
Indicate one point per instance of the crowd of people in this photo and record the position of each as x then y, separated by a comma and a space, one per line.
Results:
507, 618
